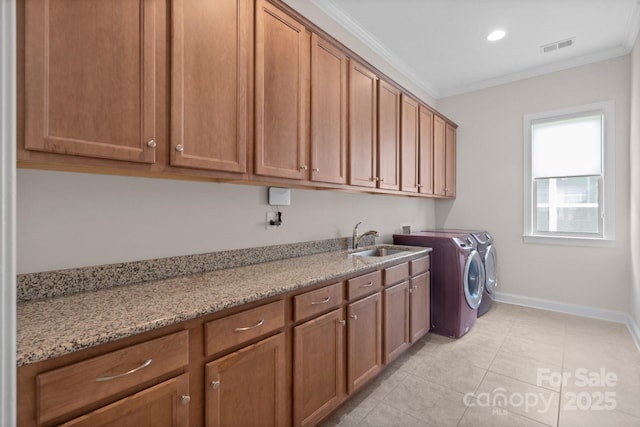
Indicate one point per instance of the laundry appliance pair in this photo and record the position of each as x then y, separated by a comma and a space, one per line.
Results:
463, 276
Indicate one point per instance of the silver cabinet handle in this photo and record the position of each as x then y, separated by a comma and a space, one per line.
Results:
185, 399
179, 148
316, 169
342, 322
151, 144
260, 323
367, 286
304, 167
215, 385
324, 301
113, 377
354, 316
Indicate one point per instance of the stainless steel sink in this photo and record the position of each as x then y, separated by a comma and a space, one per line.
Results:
379, 252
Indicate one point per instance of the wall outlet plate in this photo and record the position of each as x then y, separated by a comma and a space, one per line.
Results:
270, 216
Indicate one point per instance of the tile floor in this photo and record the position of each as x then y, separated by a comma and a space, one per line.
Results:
517, 366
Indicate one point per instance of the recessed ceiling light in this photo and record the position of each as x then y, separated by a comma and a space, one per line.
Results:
496, 35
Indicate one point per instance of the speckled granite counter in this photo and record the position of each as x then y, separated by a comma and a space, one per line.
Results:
54, 327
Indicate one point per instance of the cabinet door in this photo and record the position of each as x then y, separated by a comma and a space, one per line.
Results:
328, 112
211, 52
388, 136
439, 156
420, 306
365, 341
450, 161
426, 160
281, 93
248, 387
163, 405
318, 367
396, 321
410, 149
90, 78
362, 125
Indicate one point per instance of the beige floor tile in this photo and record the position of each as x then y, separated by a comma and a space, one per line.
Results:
474, 354
526, 369
601, 390
552, 335
597, 419
477, 416
353, 411
385, 383
458, 375
533, 402
386, 416
429, 402
541, 351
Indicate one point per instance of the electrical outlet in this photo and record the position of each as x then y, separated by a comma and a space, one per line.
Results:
270, 216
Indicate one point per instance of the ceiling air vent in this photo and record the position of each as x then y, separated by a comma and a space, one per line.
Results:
557, 45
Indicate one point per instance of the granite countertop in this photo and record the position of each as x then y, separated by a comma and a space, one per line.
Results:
57, 326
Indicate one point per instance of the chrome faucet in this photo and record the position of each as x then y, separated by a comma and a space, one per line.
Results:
356, 239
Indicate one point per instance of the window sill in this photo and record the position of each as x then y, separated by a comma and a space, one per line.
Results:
569, 241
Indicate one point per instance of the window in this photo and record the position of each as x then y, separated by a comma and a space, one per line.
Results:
568, 175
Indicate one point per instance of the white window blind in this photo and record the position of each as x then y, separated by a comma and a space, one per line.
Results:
567, 148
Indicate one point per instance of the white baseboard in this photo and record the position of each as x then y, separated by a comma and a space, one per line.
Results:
577, 310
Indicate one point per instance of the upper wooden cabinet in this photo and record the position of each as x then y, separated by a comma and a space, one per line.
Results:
410, 152
425, 153
450, 160
362, 125
211, 51
328, 112
388, 176
444, 158
90, 69
281, 94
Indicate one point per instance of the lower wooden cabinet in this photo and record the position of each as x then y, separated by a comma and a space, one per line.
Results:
396, 321
163, 405
420, 306
248, 387
364, 352
318, 367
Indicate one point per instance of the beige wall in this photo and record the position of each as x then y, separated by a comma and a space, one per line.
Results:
490, 185
634, 306
73, 220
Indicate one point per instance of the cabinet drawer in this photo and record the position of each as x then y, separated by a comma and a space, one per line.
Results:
420, 265
73, 387
238, 328
314, 302
363, 285
396, 274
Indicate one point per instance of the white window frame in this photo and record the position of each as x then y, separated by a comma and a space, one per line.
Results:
607, 183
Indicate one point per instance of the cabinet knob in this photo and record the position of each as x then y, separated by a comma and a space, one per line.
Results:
316, 169
342, 322
184, 399
151, 144
215, 385
381, 179
304, 167
179, 148
377, 178
354, 316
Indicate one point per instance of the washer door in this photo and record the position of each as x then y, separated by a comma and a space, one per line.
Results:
473, 279
490, 263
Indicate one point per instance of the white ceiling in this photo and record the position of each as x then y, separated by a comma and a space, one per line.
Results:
441, 45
